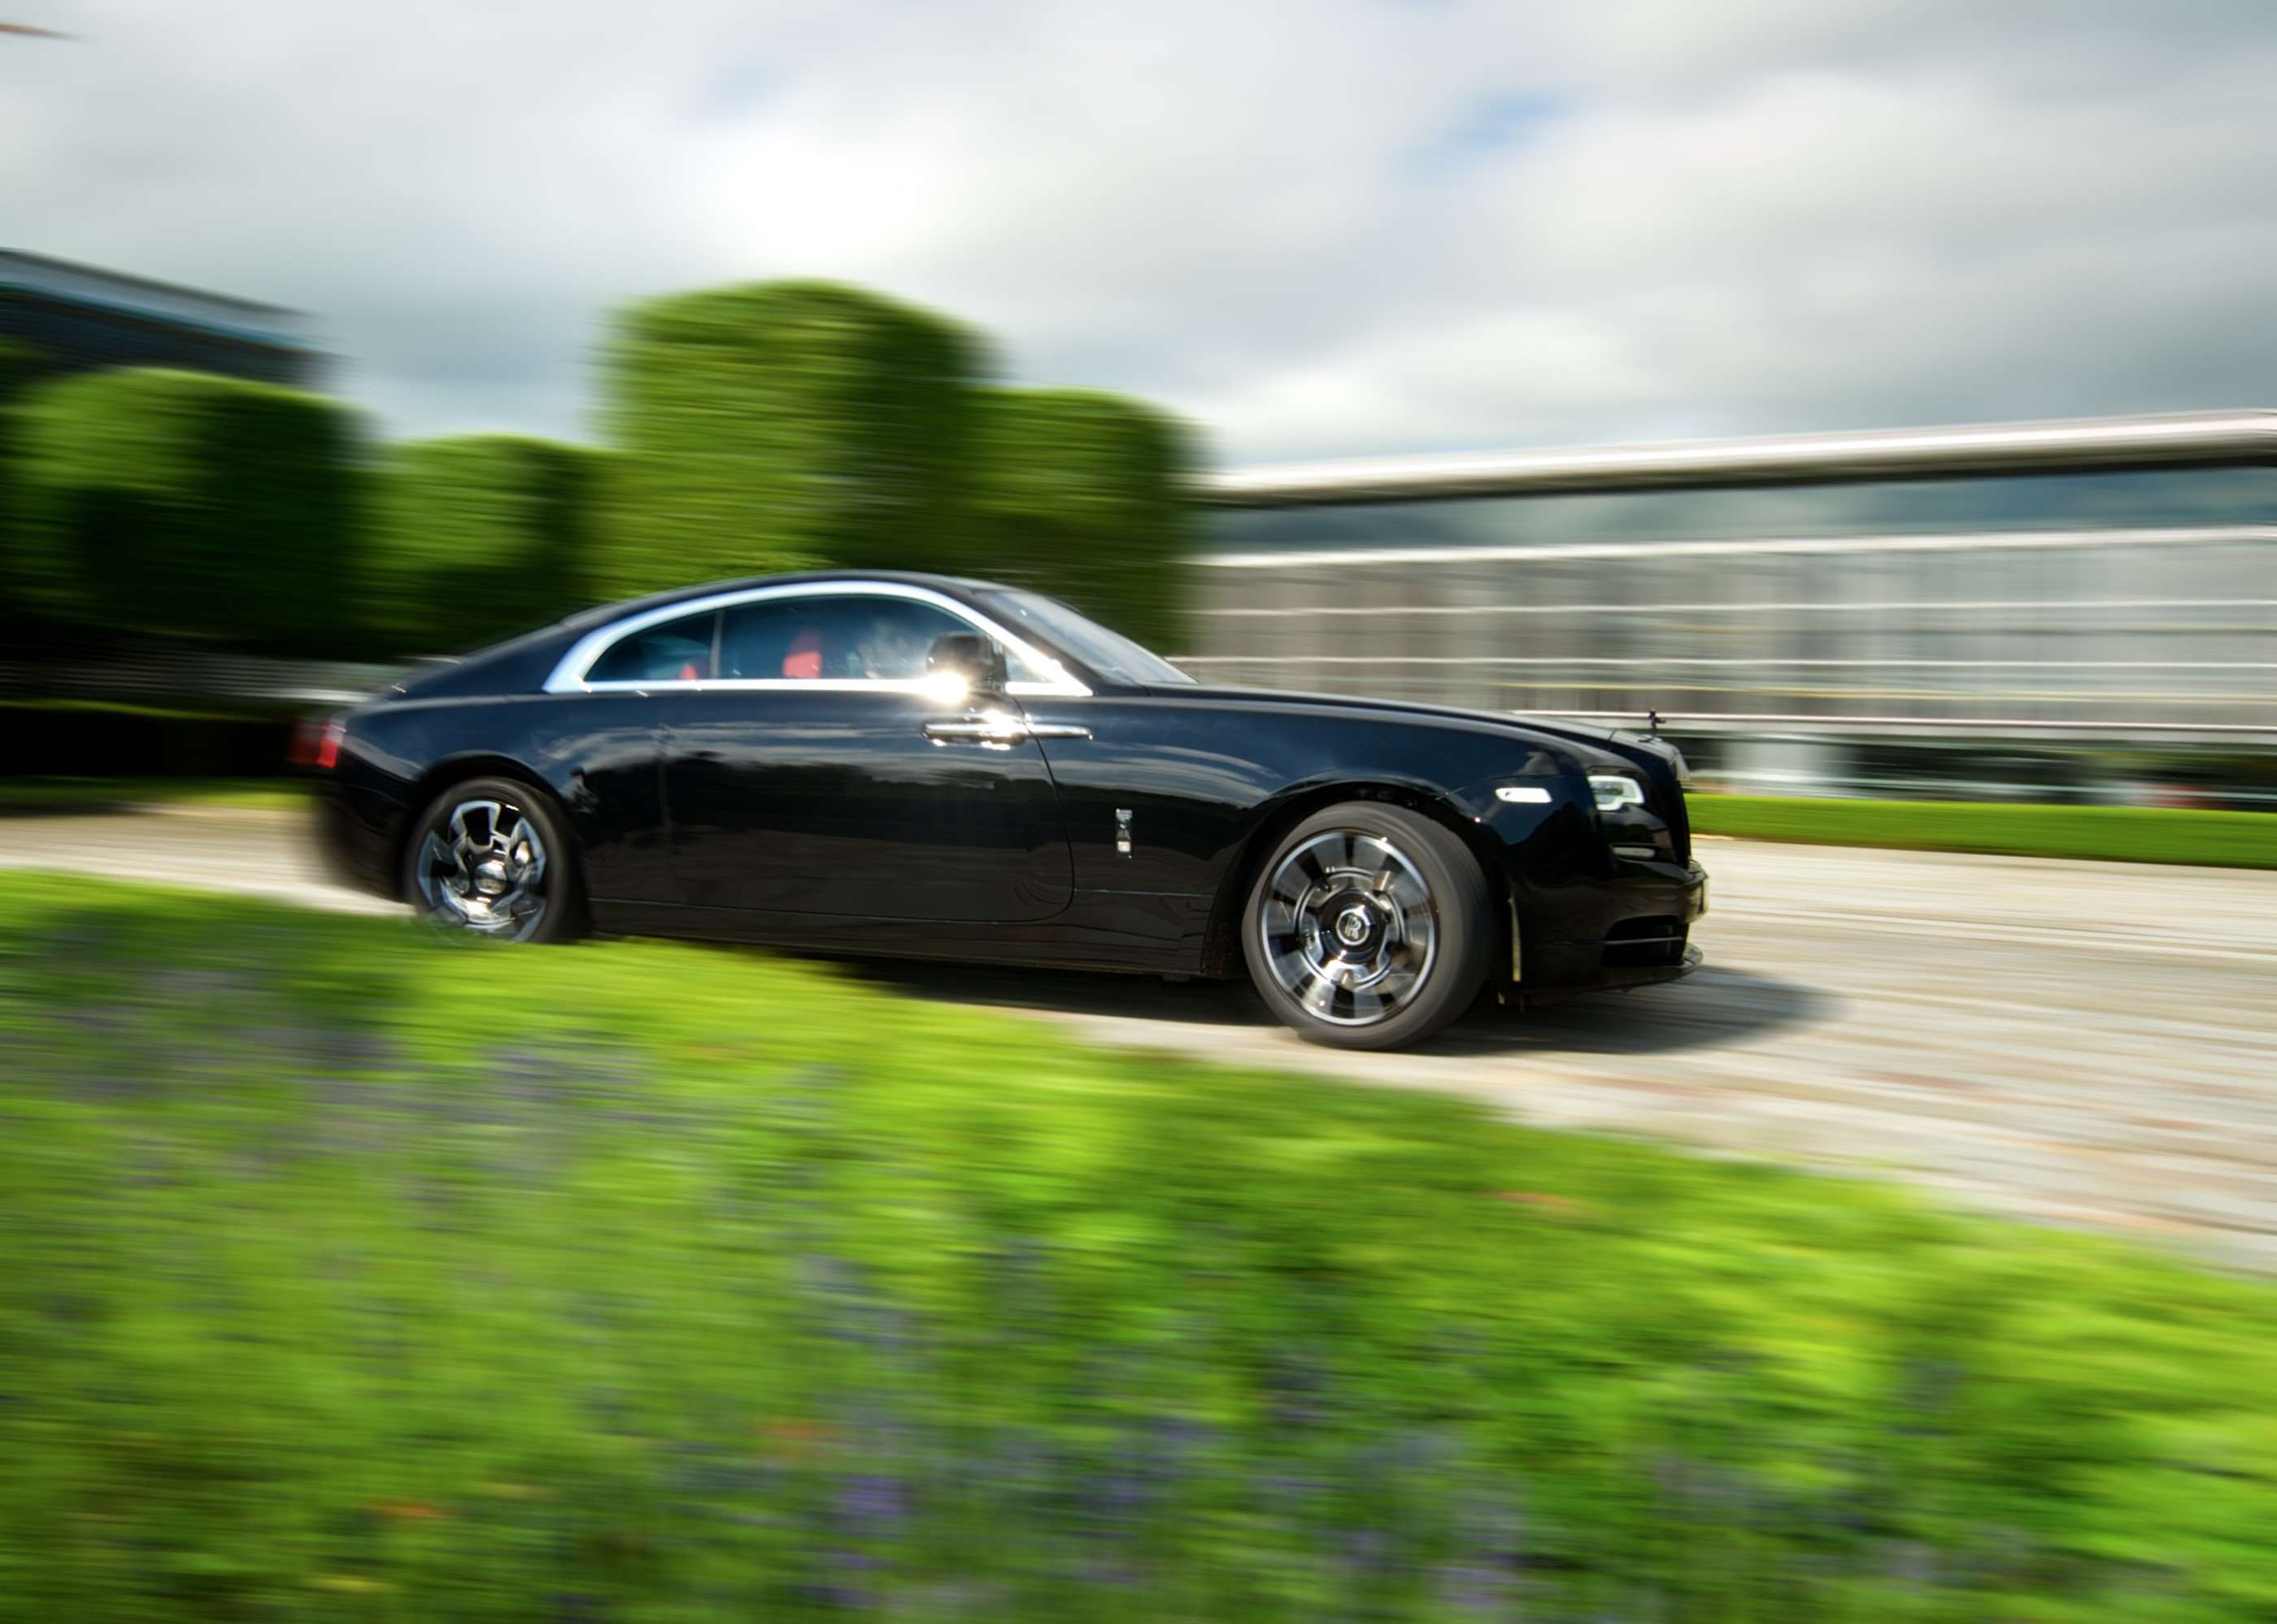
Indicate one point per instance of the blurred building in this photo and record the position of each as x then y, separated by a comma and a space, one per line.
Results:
74, 318
1816, 611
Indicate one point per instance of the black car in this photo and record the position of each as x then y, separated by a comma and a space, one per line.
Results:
917, 766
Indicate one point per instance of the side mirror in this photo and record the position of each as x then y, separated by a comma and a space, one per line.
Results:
971, 656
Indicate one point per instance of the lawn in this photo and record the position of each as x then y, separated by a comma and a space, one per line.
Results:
355, 1273
2115, 833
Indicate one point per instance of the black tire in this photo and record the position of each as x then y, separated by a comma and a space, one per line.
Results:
453, 894
1315, 929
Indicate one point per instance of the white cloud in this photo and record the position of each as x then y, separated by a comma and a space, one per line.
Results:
1320, 227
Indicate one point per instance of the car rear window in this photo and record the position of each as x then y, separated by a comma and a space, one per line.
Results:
677, 650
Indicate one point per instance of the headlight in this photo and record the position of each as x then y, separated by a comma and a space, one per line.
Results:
1612, 791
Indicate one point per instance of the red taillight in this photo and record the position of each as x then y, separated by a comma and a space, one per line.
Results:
317, 744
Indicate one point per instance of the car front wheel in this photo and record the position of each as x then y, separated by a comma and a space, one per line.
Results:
492, 857
1369, 927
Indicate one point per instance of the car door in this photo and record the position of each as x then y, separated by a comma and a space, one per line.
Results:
802, 779
607, 725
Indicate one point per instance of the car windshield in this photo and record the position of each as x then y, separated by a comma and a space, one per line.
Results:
1112, 655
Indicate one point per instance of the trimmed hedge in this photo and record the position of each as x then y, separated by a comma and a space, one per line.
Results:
796, 426
19, 363
479, 537
786, 425
762, 428
186, 504
1081, 497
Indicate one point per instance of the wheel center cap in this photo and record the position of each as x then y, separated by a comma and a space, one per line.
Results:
490, 877
1354, 925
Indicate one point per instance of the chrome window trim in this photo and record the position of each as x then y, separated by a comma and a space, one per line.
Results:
569, 674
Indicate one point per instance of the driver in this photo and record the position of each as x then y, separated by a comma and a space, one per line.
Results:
889, 649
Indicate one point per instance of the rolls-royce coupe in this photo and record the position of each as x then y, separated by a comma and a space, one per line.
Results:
917, 766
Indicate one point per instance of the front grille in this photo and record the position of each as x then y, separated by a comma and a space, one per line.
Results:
1648, 941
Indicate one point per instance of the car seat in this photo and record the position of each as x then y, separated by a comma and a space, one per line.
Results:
804, 658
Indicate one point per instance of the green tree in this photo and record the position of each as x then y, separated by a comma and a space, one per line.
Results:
478, 536
186, 504
1082, 495
783, 426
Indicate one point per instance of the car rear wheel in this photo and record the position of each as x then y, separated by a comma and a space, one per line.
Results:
492, 857
1368, 927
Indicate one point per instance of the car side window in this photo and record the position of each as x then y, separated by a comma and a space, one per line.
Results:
677, 651
848, 638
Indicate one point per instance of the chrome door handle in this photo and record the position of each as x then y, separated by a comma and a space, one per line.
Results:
984, 729
999, 728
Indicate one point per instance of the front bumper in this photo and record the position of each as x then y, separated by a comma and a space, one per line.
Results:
1618, 979
1631, 928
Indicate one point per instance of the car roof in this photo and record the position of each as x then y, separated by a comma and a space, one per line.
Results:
601, 613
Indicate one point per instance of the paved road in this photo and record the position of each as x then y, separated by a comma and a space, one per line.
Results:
2083, 1043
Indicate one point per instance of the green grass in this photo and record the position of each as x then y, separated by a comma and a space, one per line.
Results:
102, 794
2116, 834
352, 1273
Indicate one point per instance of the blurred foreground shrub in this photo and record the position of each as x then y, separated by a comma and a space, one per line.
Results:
786, 425
480, 537
1083, 496
352, 1272
185, 504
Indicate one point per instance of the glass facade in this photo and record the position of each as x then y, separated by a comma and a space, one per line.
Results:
2129, 601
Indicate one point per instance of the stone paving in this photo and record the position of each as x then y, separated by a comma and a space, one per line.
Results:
2080, 1043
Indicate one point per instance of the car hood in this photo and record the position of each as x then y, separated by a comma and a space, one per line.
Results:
1644, 750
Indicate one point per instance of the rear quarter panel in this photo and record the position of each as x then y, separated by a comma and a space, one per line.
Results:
597, 753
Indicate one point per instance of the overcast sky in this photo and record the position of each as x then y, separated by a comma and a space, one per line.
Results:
1318, 228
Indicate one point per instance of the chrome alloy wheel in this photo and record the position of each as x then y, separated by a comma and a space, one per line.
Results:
1349, 928
482, 869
